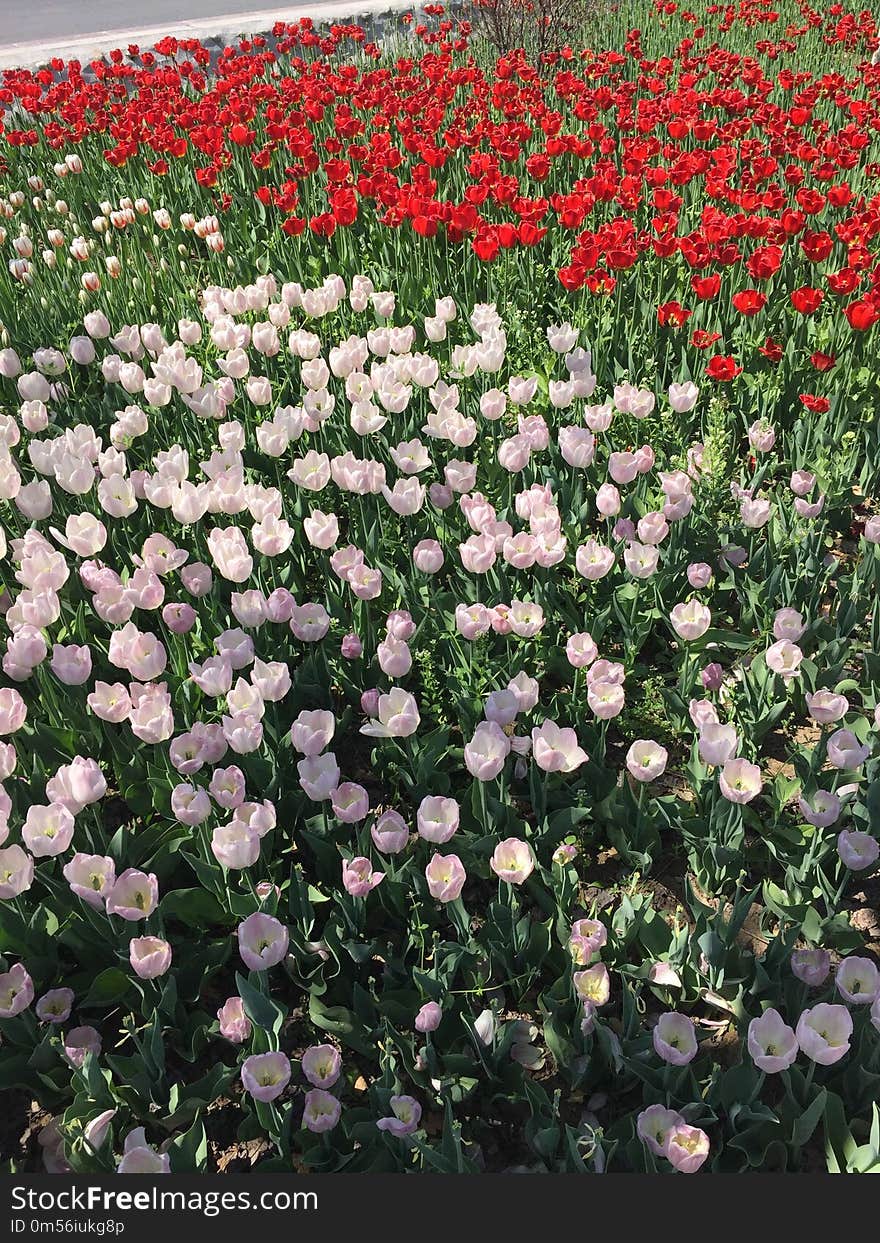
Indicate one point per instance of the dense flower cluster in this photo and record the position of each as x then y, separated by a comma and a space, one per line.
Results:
616, 157
377, 618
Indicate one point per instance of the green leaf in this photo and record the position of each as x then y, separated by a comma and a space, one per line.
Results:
806, 1124
262, 1011
108, 988
189, 1151
840, 1147
341, 1023
194, 907
728, 638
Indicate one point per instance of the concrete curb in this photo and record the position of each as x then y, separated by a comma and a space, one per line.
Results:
224, 27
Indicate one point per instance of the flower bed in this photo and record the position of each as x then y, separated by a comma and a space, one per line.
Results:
440, 599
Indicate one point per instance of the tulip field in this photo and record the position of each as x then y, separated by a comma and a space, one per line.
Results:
440, 626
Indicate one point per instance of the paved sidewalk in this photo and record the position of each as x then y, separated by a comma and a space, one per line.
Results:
33, 31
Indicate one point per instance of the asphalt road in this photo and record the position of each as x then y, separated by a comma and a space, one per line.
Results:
26, 21
31, 31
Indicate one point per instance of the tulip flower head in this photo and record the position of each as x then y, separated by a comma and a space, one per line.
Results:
139, 1158
858, 981
512, 861
16, 991
265, 1075
262, 941
234, 1023
654, 1125
811, 966
321, 1112
406, 1115
824, 1032
446, 876
322, 1065
675, 1040
771, 1042
687, 1148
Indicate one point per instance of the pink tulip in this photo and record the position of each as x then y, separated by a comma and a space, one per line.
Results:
350, 802
718, 743
429, 1017
428, 556
79, 1042
826, 707
407, 1114
13, 711
784, 658
822, 810
351, 647
646, 760
150, 957
858, 851
683, 397
140, 1158
48, 830
858, 981
311, 732
593, 985
472, 620
437, 819
788, 624
641, 560
740, 781
486, 752
16, 991
811, 966
654, 1125
512, 861
390, 833
359, 878
606, 699
235, 846
845, 751
133, 895
197, 578
446, 876
319, 776
55, 1006
586, 939
322, 1111
556, 748
824, 1032
687, 1148
712, 676
593, 561
322, 1065
699, 574
690, 620
234, 1023
771, 1043
398, 716
16, 872
394, 657
262, 941
265, 1075
674, 1039
370, 702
